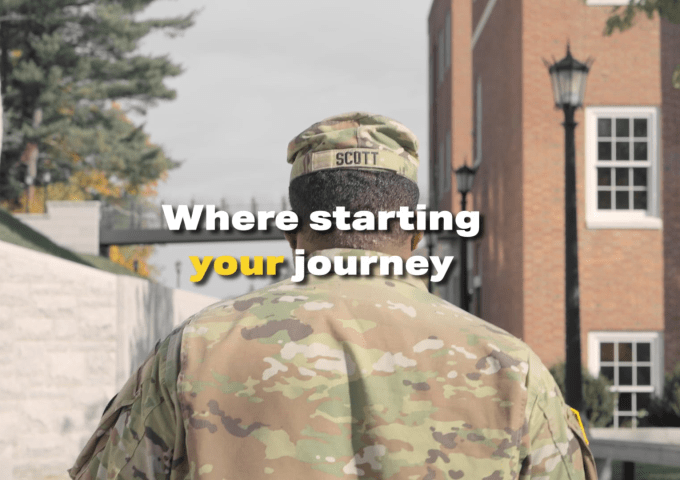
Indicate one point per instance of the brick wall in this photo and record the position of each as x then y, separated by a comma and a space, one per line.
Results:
453, 110
620, 270
461, 92
69, 337
520, 184
451, 115
440, 114
497, 191
670, 140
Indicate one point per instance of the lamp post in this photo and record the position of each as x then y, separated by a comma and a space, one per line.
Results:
431, 241
464, 178
28, 180
46, 177
568, 78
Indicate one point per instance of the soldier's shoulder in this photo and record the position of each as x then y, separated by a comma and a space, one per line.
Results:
257, 302
538, 379
477, 326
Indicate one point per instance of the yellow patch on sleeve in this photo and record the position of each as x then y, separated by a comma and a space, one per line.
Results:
580, 423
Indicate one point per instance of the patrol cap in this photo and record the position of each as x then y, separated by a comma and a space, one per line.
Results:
356, 140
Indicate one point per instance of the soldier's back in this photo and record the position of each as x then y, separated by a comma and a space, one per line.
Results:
367, 377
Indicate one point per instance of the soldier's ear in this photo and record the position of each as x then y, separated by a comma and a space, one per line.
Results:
292, 239
416, 240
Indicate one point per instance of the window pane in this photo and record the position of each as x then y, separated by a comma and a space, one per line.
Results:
640, 127
625, 375
625, 402
622, 201
643, 400
622, 177
625, 352
604, 200
604, 127
644, 376
604, 151
604, 176
625, 421
639, 177
640, 151
606, 352
640, 200
622, 151
607, 372
622, 127
643, 352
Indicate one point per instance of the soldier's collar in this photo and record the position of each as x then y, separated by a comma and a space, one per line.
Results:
419, 282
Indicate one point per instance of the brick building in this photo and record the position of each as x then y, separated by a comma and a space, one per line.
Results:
491, 105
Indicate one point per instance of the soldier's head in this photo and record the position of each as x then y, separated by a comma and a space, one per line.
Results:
362, 162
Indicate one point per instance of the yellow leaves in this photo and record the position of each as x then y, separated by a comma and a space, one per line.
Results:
53, 191
95, 181
120, 113
62, 146
15, 54
149, 189
65, 191
133, 257
144, 190
36, 204
67, 111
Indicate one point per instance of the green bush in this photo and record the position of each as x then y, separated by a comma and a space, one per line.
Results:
664, 411
598, 400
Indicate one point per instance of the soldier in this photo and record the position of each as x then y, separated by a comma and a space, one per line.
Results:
340, 377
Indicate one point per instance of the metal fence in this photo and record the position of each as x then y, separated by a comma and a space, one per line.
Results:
141, 214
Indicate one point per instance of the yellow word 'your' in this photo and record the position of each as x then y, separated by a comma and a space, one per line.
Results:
228, 265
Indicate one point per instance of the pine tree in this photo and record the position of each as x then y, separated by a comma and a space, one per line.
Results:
70, 71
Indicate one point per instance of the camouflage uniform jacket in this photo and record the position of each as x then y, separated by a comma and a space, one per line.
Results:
336, 377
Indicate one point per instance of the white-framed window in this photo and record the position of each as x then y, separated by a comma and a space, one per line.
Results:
622, 167
633, 363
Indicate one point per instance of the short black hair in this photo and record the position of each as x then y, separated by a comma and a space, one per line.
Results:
356, 190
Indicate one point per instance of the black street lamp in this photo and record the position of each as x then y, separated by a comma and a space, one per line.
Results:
569, 85
46, 178
28, 180
464, 178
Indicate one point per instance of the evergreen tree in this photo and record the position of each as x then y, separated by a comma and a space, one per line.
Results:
70, 70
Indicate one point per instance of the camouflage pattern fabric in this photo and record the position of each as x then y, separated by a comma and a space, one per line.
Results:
355, 140
340, 378
141, 433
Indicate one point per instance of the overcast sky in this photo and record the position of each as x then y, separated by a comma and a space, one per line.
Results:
257, 73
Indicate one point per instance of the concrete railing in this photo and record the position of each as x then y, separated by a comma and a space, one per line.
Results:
656, 446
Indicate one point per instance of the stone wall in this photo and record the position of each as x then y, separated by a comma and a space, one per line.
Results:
72, 225
70, 335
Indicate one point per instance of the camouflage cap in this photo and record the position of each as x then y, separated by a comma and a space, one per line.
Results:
355, 140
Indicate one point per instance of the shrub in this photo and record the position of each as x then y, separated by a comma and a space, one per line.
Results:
664, 411
598, 400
